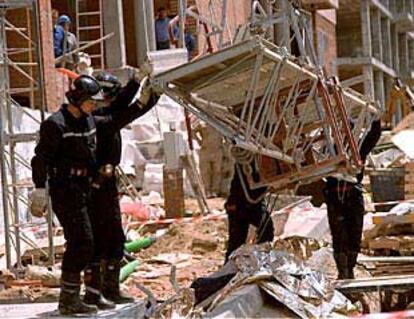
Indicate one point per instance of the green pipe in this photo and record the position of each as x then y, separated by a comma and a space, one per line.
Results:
127, 270
137, 245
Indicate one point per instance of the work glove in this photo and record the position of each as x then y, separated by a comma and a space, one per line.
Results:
145, 92
38, 202
143, 71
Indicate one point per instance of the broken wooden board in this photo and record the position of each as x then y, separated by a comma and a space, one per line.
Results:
409, 181
401, 242
382, 266
387, 260
387, 218
375, 284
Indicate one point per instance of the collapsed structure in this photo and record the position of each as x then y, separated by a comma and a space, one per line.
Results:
274, 107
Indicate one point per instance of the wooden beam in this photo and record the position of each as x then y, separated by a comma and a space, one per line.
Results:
375, 283
388, 260
386, 218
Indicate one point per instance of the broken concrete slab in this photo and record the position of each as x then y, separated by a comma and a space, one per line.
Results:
49, 310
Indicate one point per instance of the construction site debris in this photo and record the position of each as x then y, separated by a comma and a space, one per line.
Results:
305, 292
301, 247
177, 247
27, 294
393, 232
203, 243
49, 276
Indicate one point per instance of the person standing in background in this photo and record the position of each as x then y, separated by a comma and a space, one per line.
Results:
162, 37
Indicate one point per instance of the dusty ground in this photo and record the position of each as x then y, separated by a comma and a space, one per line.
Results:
196, 249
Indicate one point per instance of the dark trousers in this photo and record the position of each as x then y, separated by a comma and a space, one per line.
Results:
346, 218
71, 204
240, 216
163, 45
106, 222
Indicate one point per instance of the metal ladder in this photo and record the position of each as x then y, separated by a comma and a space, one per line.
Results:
84, 28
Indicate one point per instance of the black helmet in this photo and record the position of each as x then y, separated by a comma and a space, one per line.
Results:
85, 88
109, 83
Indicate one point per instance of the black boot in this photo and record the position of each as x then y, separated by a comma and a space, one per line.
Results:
69, 300
352, 260
110, 287
93, 284
341, 261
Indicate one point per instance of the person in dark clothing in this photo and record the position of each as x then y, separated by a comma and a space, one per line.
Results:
345, 204
65, 158
246, 208
106, 214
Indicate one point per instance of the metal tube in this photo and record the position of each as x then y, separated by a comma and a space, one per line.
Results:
182, 4
3, 97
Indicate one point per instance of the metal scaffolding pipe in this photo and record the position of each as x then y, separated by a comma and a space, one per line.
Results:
4, 85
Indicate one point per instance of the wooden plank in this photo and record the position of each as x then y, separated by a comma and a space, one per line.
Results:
384, 243
375, 283
385, 218
381, 259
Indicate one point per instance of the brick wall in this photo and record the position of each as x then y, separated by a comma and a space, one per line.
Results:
23, 18
173, 186
326, 33
53, 96
238, 13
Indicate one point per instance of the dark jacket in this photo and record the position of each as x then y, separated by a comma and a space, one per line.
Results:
238, 192
110, 142
67, 142
366, 147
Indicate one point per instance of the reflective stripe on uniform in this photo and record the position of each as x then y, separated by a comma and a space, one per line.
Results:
85, 134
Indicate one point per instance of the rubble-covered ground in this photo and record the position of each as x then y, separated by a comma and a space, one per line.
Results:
196, 249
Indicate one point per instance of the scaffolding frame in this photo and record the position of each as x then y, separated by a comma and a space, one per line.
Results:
278, 110
9, 139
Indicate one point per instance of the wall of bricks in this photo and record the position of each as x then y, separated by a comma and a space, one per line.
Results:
173, 192
23, 18
327, 41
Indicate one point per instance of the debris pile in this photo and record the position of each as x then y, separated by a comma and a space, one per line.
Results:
393, 232
194, 249
305, 292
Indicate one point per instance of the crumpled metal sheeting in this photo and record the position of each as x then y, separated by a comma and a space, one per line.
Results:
306, 292
303, 286
302, 247
283, 261
300, 307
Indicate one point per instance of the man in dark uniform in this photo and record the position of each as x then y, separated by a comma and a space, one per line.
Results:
65, 157
106, 220
345, 203
246, 207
